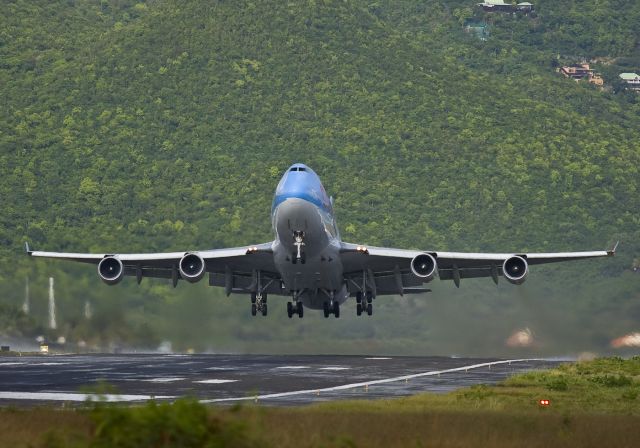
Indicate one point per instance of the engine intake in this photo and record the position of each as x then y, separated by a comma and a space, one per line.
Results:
515, 269
192, 267
110, 270
424, 266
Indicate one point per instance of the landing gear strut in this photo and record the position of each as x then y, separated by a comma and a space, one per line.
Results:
258, 304
364, 303
298, 238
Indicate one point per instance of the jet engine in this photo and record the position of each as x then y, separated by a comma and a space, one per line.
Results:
515, 269
424, 266
110, 270
192, 267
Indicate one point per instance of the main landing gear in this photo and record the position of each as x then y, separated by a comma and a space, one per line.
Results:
258, 304
364, 303
296, 308
332, 307
298, 241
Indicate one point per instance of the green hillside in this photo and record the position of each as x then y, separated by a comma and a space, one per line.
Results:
161, 125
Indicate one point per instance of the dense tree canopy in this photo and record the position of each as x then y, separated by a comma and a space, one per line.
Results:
160, 125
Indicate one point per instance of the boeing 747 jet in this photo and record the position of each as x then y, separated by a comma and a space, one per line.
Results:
309, 262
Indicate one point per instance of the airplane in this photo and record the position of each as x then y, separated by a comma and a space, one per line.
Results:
309, 262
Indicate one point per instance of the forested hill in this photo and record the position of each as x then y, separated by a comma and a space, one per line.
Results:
165, 125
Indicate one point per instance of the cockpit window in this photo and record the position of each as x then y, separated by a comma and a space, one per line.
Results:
302, 169
298, 168
295, 168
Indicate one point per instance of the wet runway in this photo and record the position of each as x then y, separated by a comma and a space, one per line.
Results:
269, 379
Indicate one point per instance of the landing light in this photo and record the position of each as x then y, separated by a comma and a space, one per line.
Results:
362, 249
252, 250
544, 402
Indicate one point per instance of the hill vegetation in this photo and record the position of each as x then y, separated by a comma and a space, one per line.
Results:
154, 126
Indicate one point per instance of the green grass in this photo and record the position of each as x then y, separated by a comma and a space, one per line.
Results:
594, 403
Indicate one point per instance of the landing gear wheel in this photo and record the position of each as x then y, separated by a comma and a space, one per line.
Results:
369, 297
264, 298
289, 310
264, 309
254, 309
303, 258
336, 309
326, 309
253, 297
300, 310
369, 309
294, 258
359, 297
359, 309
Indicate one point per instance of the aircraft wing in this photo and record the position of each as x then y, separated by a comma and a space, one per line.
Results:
234, 268
391, 268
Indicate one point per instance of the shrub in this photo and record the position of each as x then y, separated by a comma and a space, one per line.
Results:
183, 424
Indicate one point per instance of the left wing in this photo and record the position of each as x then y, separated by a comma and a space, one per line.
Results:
236, 268
398, 271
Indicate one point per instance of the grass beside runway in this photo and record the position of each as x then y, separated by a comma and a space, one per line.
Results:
594, 403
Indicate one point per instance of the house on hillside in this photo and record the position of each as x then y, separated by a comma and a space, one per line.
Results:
501, 6
581, 72
632, 80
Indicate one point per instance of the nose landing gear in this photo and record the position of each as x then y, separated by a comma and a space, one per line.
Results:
298, 238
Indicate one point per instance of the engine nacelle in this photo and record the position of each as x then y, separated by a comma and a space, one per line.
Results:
424, 266
110, 270
192, 267
515, 269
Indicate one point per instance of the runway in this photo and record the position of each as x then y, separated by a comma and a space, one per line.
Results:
268, 379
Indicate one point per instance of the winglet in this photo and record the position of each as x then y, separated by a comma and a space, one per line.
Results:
26, 248
611, 252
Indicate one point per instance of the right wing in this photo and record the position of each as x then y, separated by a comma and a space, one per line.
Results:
388, 270
237, 268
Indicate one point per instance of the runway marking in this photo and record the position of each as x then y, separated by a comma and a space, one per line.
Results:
378, 358
215, 381
12, 363
164, 380
49, 363
334, 368
64, 396
366, 384
292, 367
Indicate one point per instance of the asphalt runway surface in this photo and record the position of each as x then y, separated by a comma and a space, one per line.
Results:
267, 379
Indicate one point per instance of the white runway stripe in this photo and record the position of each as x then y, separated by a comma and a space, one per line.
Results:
215, 381
370, 383
164, 380
334, 368
64, 396
292, 367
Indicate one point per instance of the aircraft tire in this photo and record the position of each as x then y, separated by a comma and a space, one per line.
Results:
336, 309
300, 310
264, 309
369, 309
369, 297
253, 297
326, 309
359, 309
289, 310
359, 297
254, 309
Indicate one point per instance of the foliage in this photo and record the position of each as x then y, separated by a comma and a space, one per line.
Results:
185, 423
159, 126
